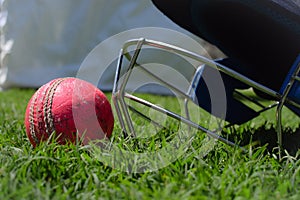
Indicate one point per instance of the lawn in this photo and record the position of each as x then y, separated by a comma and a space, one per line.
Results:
52, 171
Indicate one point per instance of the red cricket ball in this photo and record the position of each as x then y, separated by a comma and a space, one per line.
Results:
70, 108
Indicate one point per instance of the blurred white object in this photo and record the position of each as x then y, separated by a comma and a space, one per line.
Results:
5, 45
42, 40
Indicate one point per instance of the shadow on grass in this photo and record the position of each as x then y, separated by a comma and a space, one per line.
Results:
265, 135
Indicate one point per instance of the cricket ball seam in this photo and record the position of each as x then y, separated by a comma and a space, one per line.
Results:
47, 110
31, 117
47, 107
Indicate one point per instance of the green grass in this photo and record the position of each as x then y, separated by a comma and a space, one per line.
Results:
51, 171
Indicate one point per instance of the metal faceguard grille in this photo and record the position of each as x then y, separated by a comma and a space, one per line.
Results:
123, 74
